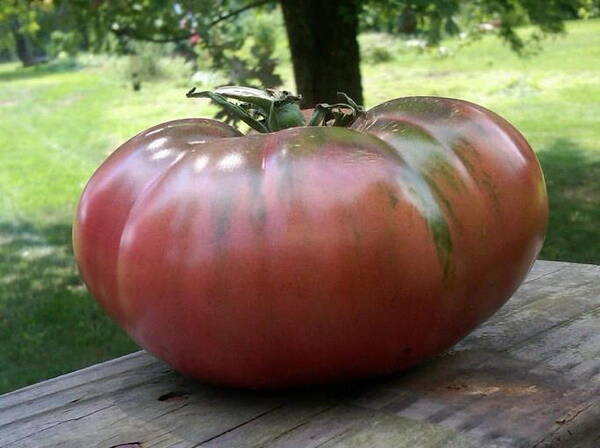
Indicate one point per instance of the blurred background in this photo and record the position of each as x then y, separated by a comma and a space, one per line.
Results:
79, 77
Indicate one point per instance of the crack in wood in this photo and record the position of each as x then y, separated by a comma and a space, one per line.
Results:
205, 441
170, 411
75, 375
128, 445
155, 439
546, 274
309, 419
175, 395
47, 428
62, 391
531, 304
573, 414
568, 418
67, 404
336, 436
560, 324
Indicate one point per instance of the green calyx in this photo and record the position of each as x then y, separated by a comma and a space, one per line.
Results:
272, 110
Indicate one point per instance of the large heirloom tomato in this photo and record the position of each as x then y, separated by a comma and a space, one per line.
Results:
312, 253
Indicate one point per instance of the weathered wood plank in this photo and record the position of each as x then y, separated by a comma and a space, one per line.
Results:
578, 428
340, 426
495, 398
297, 412
36, 403
84, 376
530, 375
538, 306
542, 268
137, 415
351, 426
511, 382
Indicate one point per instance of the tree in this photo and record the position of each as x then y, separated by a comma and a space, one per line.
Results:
19, 24
206, 24
322, 34
30, 28
434, 19
324, 48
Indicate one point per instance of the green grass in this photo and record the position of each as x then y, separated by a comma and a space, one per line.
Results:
58, 123
57, 127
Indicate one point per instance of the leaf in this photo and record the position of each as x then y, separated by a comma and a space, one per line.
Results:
246, 94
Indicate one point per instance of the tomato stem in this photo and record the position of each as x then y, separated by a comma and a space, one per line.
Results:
339, 114
231, 108
272, 110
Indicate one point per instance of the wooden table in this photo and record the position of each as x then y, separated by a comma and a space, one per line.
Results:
529, 377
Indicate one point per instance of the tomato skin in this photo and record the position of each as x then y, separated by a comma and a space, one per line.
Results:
110, 193
312, 254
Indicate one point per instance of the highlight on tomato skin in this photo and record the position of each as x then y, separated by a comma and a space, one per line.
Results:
360, 244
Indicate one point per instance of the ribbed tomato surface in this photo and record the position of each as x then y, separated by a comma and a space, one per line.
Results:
313, 253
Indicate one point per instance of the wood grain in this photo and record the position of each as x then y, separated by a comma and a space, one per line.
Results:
529, 377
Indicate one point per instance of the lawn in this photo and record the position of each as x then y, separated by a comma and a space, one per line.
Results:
58, 123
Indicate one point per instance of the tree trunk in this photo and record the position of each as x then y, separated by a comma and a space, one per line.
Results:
84, 34
23, 45
407, 22
325, 56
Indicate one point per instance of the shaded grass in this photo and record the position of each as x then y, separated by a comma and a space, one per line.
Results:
12, 72
58, 124
48, 324
573, 182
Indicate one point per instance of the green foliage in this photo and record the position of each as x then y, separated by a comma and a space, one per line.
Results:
20, 26
378, 47
588, 9
254, 63
247, 58
435, 20
63, 44
377, 54
7, 44
242, 49
151, 62
23, 15
206, 28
